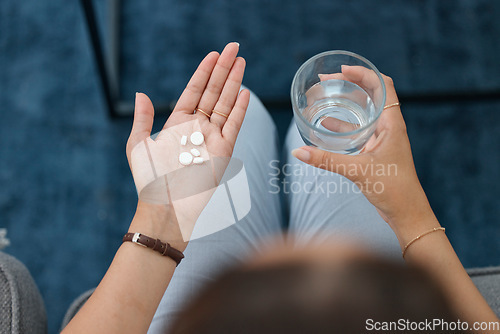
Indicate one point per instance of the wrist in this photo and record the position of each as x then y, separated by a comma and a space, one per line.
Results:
159, 222
409, 227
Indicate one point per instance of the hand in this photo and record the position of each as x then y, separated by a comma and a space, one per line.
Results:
214, 86
384, 171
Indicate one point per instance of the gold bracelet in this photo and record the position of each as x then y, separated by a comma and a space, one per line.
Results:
435, 229
392, 105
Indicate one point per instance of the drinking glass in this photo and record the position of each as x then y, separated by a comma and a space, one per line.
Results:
337, 98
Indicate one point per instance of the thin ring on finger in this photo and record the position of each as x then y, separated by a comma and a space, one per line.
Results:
203, 112
219, 113
392, 105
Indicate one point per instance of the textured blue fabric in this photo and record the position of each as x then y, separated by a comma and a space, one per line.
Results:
63, 171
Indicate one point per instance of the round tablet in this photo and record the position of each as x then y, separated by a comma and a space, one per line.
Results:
197, 138
195, 152
185, 158
198, 160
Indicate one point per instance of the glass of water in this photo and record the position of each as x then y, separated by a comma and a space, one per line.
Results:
337, 98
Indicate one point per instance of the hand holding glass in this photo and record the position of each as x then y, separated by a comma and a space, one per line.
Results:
337, 98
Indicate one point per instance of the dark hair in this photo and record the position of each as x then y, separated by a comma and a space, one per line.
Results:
302, 297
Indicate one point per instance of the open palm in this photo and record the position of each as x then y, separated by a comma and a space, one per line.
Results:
215, 90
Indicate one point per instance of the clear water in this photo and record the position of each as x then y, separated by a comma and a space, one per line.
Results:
338, 106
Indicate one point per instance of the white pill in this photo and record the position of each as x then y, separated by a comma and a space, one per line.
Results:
197, 138
198, 160
185, 158
184, 140
195, 152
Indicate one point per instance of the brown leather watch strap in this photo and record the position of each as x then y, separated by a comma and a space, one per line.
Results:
155, 244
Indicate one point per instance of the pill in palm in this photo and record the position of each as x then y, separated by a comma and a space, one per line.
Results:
197, 138
198, 160
185, 158
184, 140
195, 152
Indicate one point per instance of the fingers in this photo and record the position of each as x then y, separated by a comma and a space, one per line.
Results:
332, 76
390, 91
334, 162
337, 125
362, 76
218, 78
143, 120
196, 86
232, 125
227, 98
391, 118
368, 79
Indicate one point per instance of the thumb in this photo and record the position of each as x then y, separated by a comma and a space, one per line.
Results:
333, 162
143, 119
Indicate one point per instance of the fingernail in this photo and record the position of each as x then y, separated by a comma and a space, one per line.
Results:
320, 76
301, 154
237, 43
